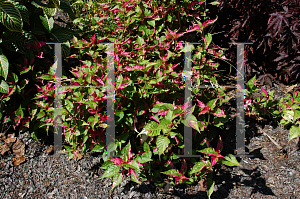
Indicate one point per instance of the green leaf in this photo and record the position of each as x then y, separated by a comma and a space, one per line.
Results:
111, 171
23, 11
142, 159
126, 150
162, 143
172, 172
19, 112
140, 40
134, 179
106, 164
250, 83
4, 87
33, 135
117, 179
169, 115
151, 23
10, 16
25, 70
164, 124
212, 104
66, 7
191, 121
93, 120
288, 115
214, 3
198, 167
208, 38
99, 147
296, 114
120, 114
4, 64
230, 160
294, 132
48, 23
211, 186
188, 48
146, 146
150, 126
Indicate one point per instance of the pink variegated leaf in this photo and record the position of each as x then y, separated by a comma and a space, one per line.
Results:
118, 161
208, 22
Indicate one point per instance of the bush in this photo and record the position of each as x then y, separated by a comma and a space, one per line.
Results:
149, 82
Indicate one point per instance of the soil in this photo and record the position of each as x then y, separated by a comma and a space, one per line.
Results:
270, 173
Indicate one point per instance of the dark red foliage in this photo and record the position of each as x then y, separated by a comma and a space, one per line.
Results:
273, 28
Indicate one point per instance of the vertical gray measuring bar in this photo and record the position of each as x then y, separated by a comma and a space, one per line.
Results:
188, 135
110, 130
57, 100
240, 119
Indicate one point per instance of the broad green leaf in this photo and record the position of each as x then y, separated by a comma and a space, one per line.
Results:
230, 160
93, 120
294, 132
142, 159
191, 121
117, 179
250, 83
140, 40
212, 104
288, 115
151, 126
172, 172
188, 48
165, 106
198, 167
10, 16
110, 171
120, 114
296, 114
4, 64
106, 164
151, 23
52, 69
99, 147
138, 10
164, 124
4, 87
19, 112
169, 115
48, 23
162, 143
146, 146
208, 150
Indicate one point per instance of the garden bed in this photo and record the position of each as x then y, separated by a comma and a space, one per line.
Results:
270, 173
